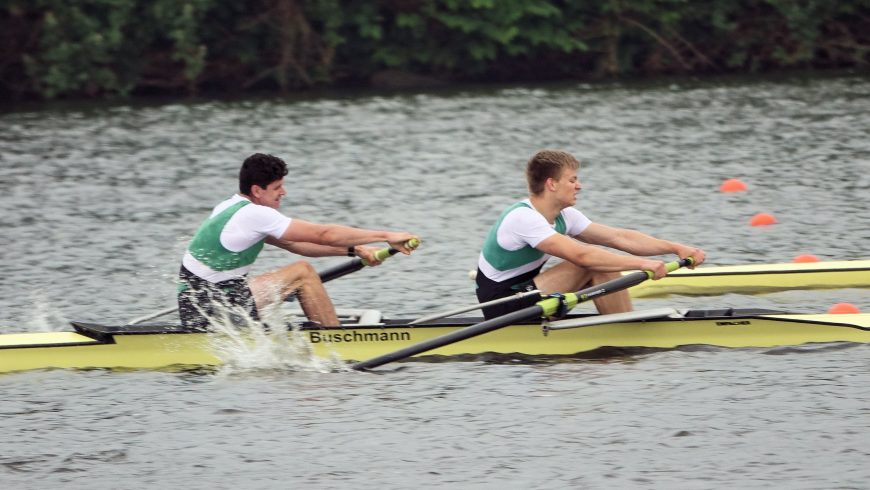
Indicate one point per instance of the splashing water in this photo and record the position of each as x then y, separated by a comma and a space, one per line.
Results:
244, 344
44, 314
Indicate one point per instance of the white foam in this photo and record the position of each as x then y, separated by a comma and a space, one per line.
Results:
244, 344
43, 315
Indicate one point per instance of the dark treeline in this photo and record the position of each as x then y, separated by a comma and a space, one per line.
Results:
90, 48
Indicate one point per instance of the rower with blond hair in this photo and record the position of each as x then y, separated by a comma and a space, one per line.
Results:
545, 225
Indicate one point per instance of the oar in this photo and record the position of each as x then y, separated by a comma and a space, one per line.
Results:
325, 276
358, 263
477, 306
544, 308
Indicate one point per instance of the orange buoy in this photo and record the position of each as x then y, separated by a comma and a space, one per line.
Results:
732, 185
800, 259
841, 308
762, 219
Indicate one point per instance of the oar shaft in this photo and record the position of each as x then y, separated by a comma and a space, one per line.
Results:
152, 315
527, 313
353, 265
477, 306
625, 282
619, 284
356, 264
544, 308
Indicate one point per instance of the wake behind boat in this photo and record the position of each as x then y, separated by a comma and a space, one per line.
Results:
163, 345
758, 278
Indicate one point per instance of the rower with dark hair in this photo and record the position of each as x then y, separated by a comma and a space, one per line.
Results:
216, 264
546, 224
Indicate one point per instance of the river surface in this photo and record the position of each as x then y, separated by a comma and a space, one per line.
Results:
99, 202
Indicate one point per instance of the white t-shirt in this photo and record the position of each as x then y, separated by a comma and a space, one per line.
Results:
249, 225
524, 226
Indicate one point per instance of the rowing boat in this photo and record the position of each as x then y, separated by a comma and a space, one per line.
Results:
164, 345
374, 341
759, 278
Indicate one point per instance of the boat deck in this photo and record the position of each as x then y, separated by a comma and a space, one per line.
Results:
47, 339
93, 332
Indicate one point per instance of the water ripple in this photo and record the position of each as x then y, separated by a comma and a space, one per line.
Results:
101, 202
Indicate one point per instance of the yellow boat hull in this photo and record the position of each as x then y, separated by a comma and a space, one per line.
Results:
150, 347
758, 278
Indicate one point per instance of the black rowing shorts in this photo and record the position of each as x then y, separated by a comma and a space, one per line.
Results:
200, 300
488, 290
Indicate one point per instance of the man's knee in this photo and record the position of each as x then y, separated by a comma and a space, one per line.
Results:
299, 270
299, 274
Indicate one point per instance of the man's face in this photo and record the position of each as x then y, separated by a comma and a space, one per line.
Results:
567, 187
270, 195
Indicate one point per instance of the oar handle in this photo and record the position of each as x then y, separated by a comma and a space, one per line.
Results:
672, 266
386, 253
356, 264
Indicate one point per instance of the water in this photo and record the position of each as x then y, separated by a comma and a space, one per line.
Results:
99, 203
671, 420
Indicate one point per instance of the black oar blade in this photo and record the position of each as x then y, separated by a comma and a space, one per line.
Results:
530, 312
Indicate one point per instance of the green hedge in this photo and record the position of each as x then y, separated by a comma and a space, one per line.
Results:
62, 48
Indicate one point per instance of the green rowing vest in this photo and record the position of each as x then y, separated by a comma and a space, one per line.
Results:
206, 244
504, 260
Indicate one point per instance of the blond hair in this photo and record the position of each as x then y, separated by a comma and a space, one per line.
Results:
548, 164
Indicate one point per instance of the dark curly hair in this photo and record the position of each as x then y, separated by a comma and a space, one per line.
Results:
260, 169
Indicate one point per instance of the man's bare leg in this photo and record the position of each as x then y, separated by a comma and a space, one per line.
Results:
567, 277
618, 302
301, 278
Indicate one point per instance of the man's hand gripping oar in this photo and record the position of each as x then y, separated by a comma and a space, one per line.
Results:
358, 263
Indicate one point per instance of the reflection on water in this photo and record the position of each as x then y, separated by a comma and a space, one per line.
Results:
100, 202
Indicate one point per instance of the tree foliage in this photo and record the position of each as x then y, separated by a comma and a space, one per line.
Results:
60, 48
